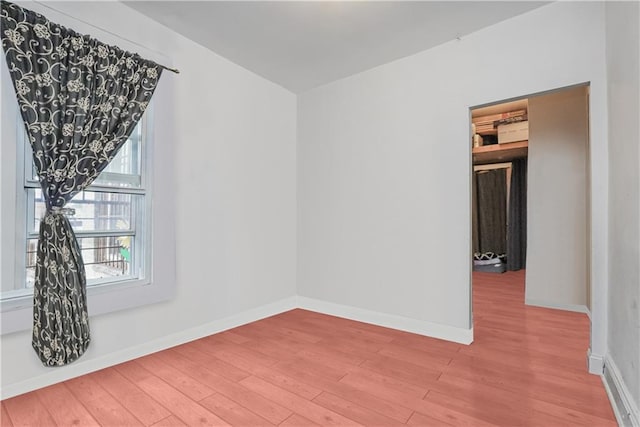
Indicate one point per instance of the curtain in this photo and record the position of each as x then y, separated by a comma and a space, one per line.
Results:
80, 99
475, 238
491, 188
517, 227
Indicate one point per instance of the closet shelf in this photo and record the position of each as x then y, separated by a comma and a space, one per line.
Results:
499, 152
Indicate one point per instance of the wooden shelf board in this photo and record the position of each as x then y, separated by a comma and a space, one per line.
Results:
488, 132
500, 147
499, 152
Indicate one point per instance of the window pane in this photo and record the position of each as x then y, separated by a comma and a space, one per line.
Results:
104, 258
124, 169
32, 247
94, 211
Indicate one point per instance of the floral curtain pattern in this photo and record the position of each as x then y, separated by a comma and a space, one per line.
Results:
80, 99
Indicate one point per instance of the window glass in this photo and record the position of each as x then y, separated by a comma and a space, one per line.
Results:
108, 220
94, 211
105, 258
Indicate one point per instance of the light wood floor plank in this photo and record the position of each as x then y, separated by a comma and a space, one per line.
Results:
354, 411
100, 404
314, 412
5, 420
27, 410
162, 368
140, 404
213, 363
180, 405
232, 412
170, 421
350, 393
64, 408
264, 407
418, 419
296, 420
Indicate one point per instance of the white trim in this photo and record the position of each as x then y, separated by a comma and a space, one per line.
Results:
558, 306
84, 367
421, 327
624, 407
595, 363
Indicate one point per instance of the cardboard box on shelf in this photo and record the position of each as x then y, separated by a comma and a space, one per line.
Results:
513, 132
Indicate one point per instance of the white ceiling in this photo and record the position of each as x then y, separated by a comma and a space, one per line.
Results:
301, 45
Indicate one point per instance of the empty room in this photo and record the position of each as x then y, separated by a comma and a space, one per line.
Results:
310, 213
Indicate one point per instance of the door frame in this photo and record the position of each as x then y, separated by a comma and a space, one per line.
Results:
594, 363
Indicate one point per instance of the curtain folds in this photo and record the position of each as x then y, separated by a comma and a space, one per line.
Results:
517, 226
80, 99
475, 237
491, 187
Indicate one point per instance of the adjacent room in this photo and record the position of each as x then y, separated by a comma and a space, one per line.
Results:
320, 213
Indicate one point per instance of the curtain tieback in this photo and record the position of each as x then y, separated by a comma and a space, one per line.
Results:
62, 211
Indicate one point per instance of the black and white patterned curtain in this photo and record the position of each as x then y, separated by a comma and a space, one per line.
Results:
80, 99
517, 226
491, 187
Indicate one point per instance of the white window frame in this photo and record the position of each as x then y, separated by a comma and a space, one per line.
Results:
158, 283
25, 216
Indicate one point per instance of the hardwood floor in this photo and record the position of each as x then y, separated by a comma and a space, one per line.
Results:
526, 367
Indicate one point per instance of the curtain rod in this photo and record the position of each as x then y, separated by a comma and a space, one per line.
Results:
173, 70
41, 3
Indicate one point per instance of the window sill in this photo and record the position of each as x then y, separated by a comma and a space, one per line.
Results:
17, 314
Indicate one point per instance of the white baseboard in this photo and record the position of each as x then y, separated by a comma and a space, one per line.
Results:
82, 367
595, 363
624, 407
558, 306
434, 330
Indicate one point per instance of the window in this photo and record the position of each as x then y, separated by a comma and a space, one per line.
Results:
126, 235
110, 221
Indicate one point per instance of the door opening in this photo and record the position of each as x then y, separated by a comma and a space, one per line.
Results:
530, 205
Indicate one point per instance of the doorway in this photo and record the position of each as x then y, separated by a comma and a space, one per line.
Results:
530, 206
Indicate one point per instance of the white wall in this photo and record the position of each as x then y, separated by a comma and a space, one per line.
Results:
623, 73
556, 274
234, 157
384, 164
